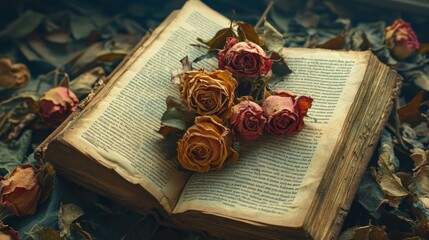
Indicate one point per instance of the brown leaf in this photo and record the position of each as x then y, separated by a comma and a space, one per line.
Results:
13, 75
364, 233
46, 181
83, 84
68, 214
389, 183
60, 36
44, 234
335, 43
421, 171
410, 113
218, 41
247, 32
20, 192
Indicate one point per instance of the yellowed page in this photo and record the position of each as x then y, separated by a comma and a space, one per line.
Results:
275, 179
119, 130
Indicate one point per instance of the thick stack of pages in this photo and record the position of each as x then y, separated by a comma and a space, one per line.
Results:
296, 187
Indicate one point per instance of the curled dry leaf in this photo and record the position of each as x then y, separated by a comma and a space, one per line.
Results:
421, 171
364, 233
389, 183
68, 214
83, 84
13, 75
410, 113
20, 192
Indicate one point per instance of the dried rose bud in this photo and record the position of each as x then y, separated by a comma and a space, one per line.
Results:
285, 112
244, 59
247, 121
13, 75
8, 233
21, 190
401, 39
56, 105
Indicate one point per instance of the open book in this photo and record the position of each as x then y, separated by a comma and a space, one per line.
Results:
280, 188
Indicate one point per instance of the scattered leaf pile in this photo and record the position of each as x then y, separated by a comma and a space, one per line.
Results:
48, 45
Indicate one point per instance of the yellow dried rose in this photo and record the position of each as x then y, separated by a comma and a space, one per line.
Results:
207, 145
208, 93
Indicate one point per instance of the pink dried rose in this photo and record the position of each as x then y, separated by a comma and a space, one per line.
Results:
401, 39
244, 59
247, 121
56, 105
20, 192
285, 112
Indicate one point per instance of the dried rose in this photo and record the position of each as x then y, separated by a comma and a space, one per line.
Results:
243, 59
285, 112
13, 75
401, 39
8, 233
247, 121
20, 192
207, 145
56, 105
208, 93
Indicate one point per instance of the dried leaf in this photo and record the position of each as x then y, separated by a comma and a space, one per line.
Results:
218, 41
273, 39
30, 98
247, 32
83, 84
279, 67
13, 75
177, 119
84, 234
364, 233
389, 183
38, 233
51, 52
81, 26
173, 102
68, 213
176, 74
46, 181
421, 171
60, 36
420, 79
335, 43
410, 113
113, 55
23, 26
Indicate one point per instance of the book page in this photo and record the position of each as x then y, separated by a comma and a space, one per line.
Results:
120, 129
276, 178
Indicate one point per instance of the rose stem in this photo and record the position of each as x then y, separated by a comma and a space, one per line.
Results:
264, 15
